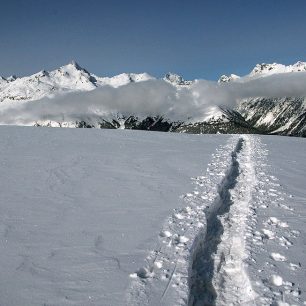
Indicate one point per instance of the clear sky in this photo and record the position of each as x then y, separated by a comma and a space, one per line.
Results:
195, 38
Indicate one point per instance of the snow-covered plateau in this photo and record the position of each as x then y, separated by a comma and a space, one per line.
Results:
268, 100
118, 217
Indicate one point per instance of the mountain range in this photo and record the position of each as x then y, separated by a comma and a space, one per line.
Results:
266, 115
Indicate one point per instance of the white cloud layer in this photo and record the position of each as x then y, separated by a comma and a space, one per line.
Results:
153, 98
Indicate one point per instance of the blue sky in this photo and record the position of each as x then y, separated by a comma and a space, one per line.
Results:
195, 38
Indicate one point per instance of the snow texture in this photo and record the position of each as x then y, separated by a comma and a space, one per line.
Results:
97, 217
80, 208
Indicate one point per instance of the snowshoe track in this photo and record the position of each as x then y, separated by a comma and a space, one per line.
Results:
199, 256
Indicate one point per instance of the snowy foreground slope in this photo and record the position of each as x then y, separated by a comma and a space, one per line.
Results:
100, 217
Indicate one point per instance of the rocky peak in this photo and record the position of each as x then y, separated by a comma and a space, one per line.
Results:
299, 66
173, 78
228, 78
176, 79
262, 69
11, 78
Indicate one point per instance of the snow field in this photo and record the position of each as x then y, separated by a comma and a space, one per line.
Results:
272, 242
95, 217
80, 209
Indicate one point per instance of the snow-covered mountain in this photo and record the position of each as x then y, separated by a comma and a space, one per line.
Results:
67, 78
176, 80
267, 69
285, 115
263, 70
122, 79
74, 78
228, 78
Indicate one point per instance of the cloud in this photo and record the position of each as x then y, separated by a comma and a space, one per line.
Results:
273, 86
153, 98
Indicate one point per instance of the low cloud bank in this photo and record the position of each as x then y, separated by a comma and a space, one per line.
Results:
153, 98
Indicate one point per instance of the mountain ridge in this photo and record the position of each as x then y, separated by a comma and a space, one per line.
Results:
285, 116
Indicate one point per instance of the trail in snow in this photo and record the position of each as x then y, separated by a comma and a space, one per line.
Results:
199, 258
218, 273
69, 233
231, 243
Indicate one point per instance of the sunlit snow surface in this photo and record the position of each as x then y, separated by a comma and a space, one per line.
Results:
82, 212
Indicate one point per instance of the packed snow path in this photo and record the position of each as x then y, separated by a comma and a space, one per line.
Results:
206, 250
199, 258
218, 272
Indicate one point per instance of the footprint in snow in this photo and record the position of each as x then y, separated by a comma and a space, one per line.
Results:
179, 216
180, 239
165, 234
268, 234
295, 233
276, 280
283, 206
278, 257
142, 273
158, 264
257, 238
276, 222
294, 266
272, 194
285, 242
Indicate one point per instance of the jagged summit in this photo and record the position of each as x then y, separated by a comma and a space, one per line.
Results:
264, 69
173, 78
67, 78
300, 66
277, 68
228, 78
75, 64
41, 74
176, 79
12, 78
